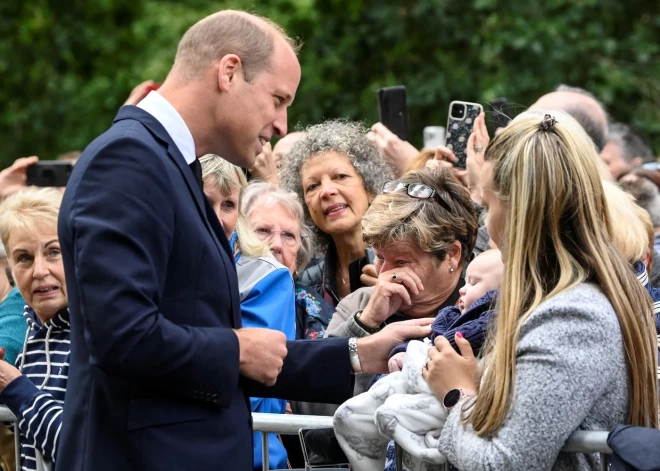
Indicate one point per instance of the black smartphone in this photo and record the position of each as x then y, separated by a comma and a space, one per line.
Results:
393, 110
49, 173
355, 270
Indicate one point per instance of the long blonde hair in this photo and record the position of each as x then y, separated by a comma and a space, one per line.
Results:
556, 237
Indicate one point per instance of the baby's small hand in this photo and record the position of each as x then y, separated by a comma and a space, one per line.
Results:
396, 362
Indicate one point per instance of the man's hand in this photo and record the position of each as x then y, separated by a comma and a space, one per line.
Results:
7, 372
397, 152
262, 353
265, 167
14, 178
375, 349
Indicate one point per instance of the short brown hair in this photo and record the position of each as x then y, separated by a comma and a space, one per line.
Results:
424, 222
249, 36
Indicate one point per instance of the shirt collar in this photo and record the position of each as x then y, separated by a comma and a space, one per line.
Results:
161, 109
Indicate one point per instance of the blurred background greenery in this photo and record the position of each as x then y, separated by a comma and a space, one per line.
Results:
67, 66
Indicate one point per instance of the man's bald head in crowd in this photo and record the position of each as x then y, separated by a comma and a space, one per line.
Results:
581, 105
284, 145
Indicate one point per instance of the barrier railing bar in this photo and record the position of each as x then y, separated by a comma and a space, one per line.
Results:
579, 442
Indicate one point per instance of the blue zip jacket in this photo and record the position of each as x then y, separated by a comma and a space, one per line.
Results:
268, 301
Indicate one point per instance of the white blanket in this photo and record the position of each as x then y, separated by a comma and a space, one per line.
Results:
399, 407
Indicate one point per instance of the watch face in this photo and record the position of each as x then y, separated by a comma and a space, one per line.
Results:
452, 398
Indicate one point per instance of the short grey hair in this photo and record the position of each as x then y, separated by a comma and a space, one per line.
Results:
343, 137
259, 194
631, 144
593, 127
647, 195
249, 36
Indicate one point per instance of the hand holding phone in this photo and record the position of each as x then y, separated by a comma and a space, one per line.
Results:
462, 115
393, 110
49, 173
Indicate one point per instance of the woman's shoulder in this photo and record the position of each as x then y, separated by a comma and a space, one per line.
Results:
252, 270
583, 306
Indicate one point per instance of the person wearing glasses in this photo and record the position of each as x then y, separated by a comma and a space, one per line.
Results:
337, 172
422, 229
265, 286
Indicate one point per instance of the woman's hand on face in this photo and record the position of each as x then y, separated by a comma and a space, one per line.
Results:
447, 370
369, 276
475, 150
444, 157
392, 292
7, 372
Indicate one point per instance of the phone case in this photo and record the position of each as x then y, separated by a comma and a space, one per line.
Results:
459, 130
393, 110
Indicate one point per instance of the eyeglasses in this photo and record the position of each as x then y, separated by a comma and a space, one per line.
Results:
414, 190
267, 234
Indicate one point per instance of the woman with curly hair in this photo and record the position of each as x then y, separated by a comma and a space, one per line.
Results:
337, 172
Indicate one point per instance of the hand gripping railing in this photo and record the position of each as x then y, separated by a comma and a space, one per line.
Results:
288, 424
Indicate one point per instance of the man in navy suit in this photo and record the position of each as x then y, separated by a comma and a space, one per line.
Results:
160, 369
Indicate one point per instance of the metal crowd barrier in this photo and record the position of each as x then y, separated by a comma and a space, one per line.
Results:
288, 424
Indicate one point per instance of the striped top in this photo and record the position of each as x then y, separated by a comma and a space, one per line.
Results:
36, 397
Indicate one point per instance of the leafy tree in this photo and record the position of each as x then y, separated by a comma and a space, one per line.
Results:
68, 66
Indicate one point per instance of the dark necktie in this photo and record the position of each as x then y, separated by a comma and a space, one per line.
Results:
196, 168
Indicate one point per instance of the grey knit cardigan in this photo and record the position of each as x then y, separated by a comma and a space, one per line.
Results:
570, 375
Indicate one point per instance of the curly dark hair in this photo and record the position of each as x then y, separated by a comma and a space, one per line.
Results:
344, 137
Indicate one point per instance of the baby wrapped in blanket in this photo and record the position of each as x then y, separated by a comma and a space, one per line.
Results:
401, 406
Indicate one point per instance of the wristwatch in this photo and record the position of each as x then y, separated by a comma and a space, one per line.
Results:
353, 355
452, 397
363, 326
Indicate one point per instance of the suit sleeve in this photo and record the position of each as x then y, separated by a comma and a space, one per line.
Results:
119, 228
314, 371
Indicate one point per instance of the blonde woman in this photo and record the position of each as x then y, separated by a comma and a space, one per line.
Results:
573, 345
265, 286
34, 390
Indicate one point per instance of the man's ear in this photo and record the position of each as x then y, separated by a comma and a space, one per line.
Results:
230, 69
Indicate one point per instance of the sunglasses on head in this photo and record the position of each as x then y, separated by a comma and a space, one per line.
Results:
414, 190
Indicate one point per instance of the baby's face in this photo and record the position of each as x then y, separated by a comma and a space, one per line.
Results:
482, 275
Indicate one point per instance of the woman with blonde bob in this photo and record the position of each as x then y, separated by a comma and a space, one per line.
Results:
34, 390
573, 345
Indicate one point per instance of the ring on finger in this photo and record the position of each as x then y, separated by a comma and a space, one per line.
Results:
394, 277
478, 148
426, 363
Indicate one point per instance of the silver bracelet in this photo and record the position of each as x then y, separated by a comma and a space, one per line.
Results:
353, 354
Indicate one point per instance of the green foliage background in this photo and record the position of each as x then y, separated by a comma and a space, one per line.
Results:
65, 67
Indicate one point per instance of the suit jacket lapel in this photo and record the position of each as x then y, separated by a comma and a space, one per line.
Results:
205, 210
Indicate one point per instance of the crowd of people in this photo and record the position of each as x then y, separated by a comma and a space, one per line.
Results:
487, 312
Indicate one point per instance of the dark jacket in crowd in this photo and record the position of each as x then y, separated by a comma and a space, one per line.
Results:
634, 448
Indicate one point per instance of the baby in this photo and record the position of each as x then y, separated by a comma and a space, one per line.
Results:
401, 406
484, 274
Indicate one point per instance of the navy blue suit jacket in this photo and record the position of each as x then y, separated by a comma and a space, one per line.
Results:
154, 379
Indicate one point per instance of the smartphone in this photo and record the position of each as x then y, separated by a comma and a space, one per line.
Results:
459, 127
355, 269
393, 110
49, 173
434, 136
497, 116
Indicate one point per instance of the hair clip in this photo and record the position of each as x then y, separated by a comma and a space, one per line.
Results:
548, 123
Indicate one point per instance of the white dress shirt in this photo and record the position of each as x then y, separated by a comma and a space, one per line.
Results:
161, 109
